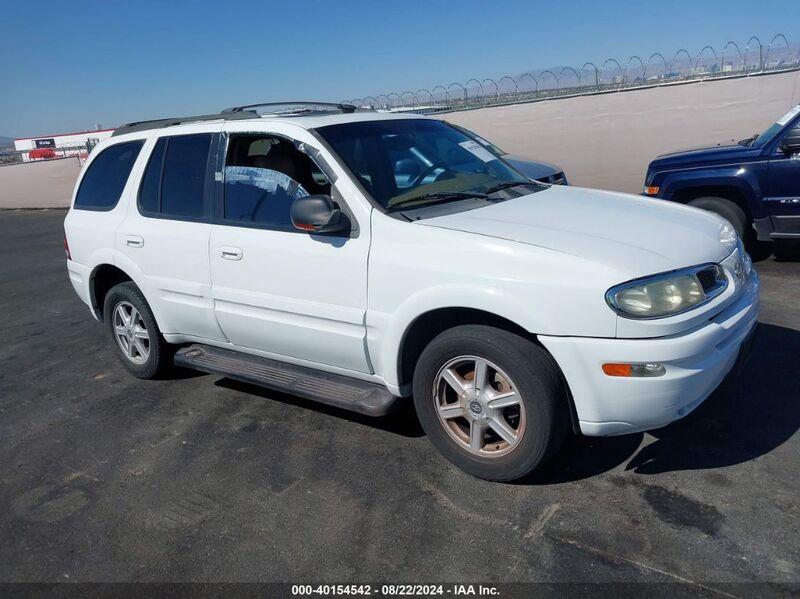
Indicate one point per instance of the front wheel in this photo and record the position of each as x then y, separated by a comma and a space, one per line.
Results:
492, 402
133, 329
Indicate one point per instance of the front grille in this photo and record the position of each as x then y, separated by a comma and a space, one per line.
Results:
557, 179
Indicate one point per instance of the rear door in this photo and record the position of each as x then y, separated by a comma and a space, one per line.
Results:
277, 289
783, 193
167, 231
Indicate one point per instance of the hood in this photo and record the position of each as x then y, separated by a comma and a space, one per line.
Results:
732, 153
631, 234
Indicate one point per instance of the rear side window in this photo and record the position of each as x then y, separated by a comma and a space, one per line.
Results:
175, 179
103, 183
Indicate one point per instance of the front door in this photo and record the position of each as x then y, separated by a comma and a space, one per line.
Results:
277, 289
783, 194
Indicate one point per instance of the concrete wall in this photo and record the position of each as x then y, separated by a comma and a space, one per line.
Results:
603, 141
606, 141
43, 184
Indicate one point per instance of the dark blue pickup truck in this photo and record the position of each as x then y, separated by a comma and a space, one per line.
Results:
754, 184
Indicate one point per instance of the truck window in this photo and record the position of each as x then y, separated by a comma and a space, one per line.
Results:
103, 183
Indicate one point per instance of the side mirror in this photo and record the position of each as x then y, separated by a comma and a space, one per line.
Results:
318, 214
791, 142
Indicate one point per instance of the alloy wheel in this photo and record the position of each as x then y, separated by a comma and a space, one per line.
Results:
131, 333
479, 406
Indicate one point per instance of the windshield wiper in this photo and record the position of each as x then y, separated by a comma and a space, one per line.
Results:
504, 185
439, 196
747, 142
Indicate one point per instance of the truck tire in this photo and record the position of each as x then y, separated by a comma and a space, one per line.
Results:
731, 212
727, 210
493, 403
130, 322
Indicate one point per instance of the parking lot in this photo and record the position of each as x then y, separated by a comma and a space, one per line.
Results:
104, 477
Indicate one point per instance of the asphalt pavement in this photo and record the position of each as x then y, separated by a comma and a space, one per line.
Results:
104, 477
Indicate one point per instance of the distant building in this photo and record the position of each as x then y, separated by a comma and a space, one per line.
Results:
60, 145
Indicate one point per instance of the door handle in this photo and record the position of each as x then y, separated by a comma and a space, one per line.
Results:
134, 241
230, 253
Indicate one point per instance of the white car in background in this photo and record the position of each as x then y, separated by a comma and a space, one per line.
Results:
357, 258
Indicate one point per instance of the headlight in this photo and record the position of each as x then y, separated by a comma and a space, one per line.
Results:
669, 293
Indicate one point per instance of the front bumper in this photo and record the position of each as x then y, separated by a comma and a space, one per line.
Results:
696, 363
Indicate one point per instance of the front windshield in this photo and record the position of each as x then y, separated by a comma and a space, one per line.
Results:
773, 130
407, 163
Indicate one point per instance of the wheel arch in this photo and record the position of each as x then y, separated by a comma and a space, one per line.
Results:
114, 270
742, 190
426, 326
102, 279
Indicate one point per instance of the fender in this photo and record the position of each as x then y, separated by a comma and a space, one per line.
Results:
744, 178
386, 332
126, 265
97, 258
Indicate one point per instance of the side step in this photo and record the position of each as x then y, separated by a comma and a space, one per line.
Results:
332, 389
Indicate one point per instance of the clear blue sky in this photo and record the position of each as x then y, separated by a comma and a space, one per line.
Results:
67, 65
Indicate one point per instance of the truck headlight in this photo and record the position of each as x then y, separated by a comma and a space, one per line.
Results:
667, 294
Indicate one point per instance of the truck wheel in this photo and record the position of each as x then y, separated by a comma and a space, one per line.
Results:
133, 329
727, 210
493, 403
735, 216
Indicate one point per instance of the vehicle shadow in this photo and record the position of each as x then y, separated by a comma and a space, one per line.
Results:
402, 421
748, 416
788, 252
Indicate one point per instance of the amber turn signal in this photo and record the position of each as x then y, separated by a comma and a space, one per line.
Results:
651, 190
617, 369
634, 370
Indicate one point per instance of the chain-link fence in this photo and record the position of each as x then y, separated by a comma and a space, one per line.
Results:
611, 75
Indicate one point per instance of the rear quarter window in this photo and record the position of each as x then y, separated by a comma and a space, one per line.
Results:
102, 185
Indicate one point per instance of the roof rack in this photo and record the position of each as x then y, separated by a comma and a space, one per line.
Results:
160, 123
306, 107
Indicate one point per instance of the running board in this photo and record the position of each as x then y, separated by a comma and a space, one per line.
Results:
332, 389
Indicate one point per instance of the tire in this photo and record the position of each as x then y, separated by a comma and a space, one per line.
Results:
539, 420
120, 302
727, 210
731, 212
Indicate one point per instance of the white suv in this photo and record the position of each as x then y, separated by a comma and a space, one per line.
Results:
356, 258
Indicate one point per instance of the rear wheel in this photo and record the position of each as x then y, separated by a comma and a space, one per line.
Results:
133, 329
492, 402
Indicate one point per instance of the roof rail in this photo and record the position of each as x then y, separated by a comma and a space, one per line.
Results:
307, 106
161, 123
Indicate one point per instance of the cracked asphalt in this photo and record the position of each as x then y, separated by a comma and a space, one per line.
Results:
104, 477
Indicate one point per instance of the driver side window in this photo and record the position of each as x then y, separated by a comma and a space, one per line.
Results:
263, 175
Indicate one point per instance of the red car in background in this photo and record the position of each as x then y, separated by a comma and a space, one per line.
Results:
42, 154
